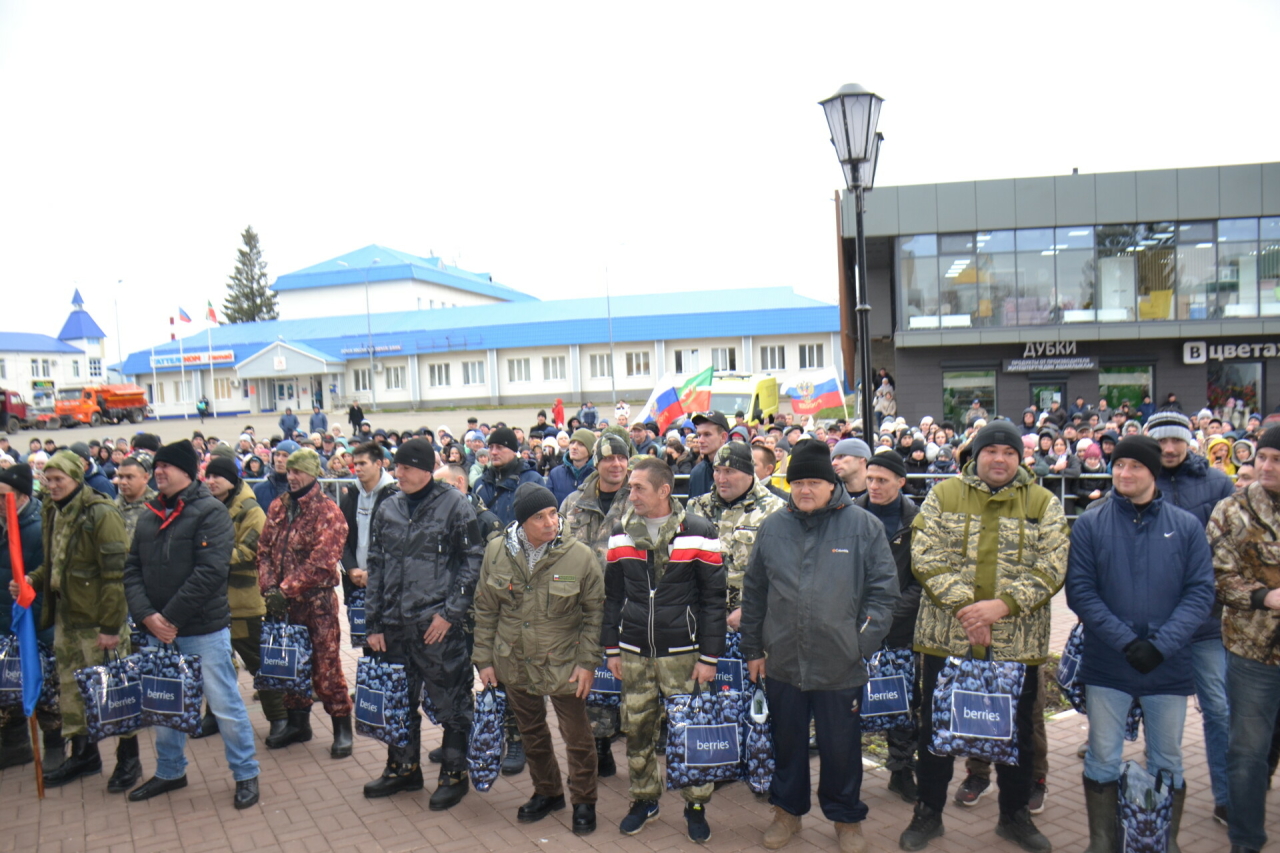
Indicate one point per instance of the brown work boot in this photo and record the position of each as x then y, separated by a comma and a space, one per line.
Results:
850, 837
784, 825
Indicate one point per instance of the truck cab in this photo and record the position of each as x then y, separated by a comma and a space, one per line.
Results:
753, 394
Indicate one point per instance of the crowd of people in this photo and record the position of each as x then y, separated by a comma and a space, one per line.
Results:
529, 558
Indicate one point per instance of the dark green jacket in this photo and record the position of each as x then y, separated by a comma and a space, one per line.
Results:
92, 589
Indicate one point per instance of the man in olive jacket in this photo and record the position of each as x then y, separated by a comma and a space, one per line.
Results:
989, 549
85, 544
539, 605
817, 598
176, 581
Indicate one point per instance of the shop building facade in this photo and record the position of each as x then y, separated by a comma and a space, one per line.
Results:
1107, 286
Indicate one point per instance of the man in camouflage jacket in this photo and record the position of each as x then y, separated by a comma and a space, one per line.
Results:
298, 554
589, 516
737, 504
989, 549
1244, 533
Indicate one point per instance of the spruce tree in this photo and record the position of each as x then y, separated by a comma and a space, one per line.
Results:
248, 298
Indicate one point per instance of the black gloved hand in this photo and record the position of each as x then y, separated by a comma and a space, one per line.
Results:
277, 604
1143, 656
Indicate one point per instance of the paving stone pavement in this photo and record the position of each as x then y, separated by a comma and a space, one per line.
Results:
312, 803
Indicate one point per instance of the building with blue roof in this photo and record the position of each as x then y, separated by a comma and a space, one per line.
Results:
37, 366
502, 347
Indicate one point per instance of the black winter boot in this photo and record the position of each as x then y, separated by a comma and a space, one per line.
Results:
605, 765
341, 738
297, 730
513, 762
84, 761
395, 778
1175, 822
55, 750
15, 745
1101, 801
128, 766
276, 729
452, 787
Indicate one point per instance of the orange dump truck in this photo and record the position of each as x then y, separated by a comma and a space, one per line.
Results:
99, 404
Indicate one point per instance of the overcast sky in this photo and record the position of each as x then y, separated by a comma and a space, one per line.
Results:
680, 145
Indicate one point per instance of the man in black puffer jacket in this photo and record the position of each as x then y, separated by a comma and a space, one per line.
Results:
175, 579
664, 626
425, 551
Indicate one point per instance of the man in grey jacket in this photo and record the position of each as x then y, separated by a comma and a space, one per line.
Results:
425, 551
818, 596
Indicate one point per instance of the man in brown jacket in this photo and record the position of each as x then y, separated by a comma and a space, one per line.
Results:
539, 605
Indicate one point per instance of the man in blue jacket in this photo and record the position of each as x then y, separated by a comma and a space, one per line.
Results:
1187, 481
506, 472
288, 423
1140, 577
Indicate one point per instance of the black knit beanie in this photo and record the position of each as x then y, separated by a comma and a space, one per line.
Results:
182, 456
220, 466
1270, 438
1140, 448
996, 432
532, 499
811, 460
890, 461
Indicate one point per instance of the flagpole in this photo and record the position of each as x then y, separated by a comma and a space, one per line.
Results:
155, 386
209, 335
182, 368
24, 599
35, 750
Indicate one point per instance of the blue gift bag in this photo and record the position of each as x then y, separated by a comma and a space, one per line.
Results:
172, 688
286, 659
886, 697
382, 701
11, 674
488, 740
112, 694
974, 708
356, 617
704, 738
606, 690
1073, 689
757, 760
1145, 813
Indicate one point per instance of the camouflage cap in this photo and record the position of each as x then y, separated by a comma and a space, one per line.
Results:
68, 463
614, 440
736, 455
305, 461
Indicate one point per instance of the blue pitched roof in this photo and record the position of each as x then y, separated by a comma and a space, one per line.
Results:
76, 300
30, 342
80, 325
758, 311
392, 265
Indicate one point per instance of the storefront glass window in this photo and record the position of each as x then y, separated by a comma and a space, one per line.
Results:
997, 273
1199, 296
918, 280
1117, 384
1036, 303
1269, 268
1236, 380
961, 387
1077, 274
957, 280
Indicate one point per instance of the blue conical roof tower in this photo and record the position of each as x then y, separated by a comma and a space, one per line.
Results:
79, 326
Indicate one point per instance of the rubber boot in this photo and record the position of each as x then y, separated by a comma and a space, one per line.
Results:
84, 761
454, 781
296, 730
276, 729
208, 725
128, 766
55, 750
606, 766
1175, 821
341, 738
396, 777
1101, 801
15, 745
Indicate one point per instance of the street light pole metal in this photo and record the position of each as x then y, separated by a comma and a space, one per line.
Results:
368, 318
852, 116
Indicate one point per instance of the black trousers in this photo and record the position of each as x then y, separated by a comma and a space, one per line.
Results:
933, 772
839, 730
444, 669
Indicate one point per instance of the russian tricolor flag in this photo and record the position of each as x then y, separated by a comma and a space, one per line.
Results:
663, 405
811, 395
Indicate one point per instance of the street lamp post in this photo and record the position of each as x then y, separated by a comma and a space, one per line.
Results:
852, 116
368, 318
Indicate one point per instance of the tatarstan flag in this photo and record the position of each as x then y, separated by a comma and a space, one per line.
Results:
695, 394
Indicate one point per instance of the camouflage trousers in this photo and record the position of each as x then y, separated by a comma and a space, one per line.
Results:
319, 612
645, 681
74, 649
604, 721
49, 718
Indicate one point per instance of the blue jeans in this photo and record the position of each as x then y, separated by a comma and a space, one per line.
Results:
1209, 662
223, 695
1254, 689
1162, 717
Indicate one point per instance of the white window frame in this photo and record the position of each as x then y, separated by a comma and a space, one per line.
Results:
773, 357
95, 368
518, 370
75, 368
361, 379
553, 368
811, 357
638, 363
473, 372
724, 358
438, 374
687, 362
601, 365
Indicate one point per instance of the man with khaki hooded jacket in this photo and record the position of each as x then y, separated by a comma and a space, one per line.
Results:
539, 605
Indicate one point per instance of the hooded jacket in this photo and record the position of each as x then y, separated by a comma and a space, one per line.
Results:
424, 559
497, 488
247, 519
1139, 575
180, 562
903, 627
665, 598
301, 544
971, 544
272, 487
738, 525
566, 478
1244, 533
1197, 488
535, 624
819, 594
29, 530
